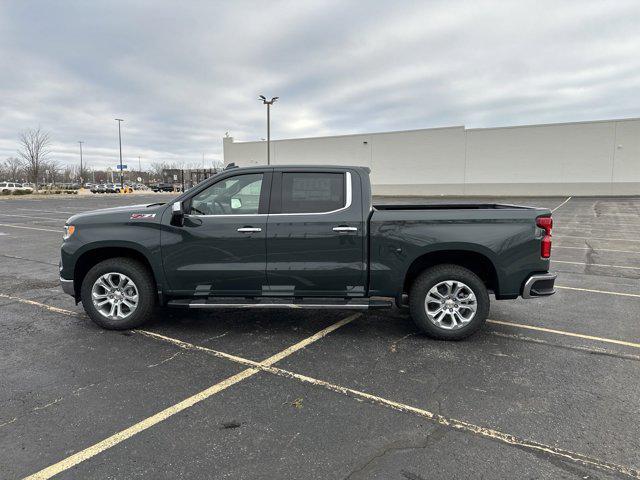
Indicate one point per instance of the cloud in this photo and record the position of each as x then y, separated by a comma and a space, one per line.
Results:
182, 74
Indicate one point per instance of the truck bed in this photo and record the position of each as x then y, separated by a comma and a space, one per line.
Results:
450, 206
506, 235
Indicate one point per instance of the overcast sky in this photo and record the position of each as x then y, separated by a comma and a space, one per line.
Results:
183, 73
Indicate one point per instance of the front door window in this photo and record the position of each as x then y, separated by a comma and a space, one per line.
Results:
239, 195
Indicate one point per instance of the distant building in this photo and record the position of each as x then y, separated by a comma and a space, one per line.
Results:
580, 158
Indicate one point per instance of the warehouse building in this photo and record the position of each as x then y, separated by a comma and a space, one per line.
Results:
580, 158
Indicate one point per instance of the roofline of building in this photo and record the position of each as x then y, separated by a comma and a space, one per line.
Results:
353, 134
445, 128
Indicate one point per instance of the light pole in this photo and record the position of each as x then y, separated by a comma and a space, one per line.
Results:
80, 142
119, 120
268, 103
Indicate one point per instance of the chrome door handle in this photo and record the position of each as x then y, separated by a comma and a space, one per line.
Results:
249, 229
345, 229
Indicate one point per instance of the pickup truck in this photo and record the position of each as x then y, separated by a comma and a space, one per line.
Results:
305, 237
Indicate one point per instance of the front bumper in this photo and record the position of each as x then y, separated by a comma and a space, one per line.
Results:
67, 286
539, 285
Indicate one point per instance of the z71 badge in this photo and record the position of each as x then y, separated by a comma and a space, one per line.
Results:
140, 216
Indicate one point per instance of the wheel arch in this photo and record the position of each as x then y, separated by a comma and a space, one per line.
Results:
93, 256
479, 263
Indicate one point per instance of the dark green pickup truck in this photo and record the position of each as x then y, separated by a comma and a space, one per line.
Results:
305, 237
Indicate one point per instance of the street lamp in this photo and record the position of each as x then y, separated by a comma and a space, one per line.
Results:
119, 120
268, 103
81, 182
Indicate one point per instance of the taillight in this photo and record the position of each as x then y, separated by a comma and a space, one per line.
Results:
546, 223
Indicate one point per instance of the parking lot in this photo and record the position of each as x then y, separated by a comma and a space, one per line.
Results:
549, 388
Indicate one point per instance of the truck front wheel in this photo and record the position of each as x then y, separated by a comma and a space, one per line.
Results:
118, 293
448, 302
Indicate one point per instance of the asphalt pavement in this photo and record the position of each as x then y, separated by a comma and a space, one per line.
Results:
550, 388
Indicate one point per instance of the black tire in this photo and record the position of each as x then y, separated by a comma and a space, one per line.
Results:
141, 277
433, 276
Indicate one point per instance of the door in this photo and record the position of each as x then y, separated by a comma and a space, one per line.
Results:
315, 235
220, 249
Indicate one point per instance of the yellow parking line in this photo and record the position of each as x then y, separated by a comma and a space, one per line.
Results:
553, 343
267, 367
48, 211
566, 334
554, 209
50, 219
599, 291
449, 422
119, 437
595, 264
38, 304
58, 231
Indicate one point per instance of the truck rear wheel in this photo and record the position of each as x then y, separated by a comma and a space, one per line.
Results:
448, 302
118, 293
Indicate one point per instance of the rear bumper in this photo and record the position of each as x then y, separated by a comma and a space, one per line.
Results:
539, 285
67, 286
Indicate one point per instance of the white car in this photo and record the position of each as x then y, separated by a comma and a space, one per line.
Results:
9, 187
24, 187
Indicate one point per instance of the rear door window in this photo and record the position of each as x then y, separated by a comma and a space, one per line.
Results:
312, 192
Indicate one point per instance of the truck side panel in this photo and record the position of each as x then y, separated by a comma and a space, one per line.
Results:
508, 238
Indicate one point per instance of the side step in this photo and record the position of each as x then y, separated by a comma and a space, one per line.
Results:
270, 302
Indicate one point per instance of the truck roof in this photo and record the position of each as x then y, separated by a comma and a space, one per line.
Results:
302, 167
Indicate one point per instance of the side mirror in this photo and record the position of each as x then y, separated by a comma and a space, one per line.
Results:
177, 214
236, 203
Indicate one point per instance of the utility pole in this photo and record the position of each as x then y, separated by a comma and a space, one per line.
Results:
139, 164
119, 120
268, 103
81, 182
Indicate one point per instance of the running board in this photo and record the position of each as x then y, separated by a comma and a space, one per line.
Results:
270, 302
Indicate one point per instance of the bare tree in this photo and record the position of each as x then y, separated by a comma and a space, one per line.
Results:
34, 149
56, 174
12, 167
156, 169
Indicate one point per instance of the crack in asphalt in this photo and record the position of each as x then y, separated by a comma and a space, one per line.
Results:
436, 434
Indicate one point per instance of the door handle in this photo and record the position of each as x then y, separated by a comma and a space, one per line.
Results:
249, 229
344, 229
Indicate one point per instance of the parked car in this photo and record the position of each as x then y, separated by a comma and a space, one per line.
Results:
120, 188
9, 187
305, 237
163, 187
24, 187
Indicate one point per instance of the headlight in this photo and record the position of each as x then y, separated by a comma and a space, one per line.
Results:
68, 231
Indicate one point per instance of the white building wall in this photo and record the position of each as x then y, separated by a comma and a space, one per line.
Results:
626, 162
586, 158
419, 161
